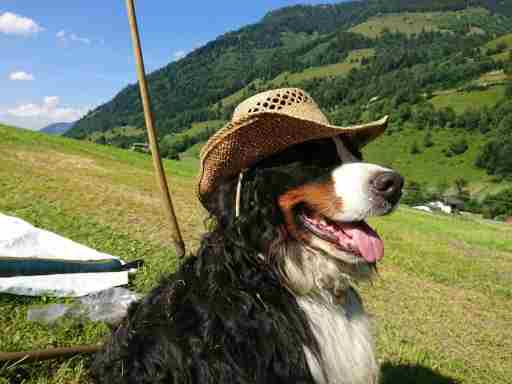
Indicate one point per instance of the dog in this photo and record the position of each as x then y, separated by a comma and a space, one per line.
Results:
269, 296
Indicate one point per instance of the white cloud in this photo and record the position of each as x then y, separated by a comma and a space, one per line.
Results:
36, 116
51, 101
21, 76
13, 24
64, 36
84, 40
178, 55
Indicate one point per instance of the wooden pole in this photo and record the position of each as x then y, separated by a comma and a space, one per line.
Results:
155, 151
46, 354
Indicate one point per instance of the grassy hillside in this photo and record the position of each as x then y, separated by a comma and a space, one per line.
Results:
406, 22
460, 101
353, 60
116, 131
301, 43
438, 273
505, 40
478, 19
431, 166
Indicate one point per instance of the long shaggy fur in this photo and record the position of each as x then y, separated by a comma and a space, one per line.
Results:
256, 304
224, 317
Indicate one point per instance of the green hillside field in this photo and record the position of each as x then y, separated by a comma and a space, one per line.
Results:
431, 166
502, 40
439, 272
353, 60
417, 22
407, 22
463, 100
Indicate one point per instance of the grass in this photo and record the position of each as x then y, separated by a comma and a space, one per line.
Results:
201, 126
117, 131
197, 128
441, 304
494, 77
503, 56
241, 94
461, 101
431, 166
408, 23
505, 39
193, 151
339, 69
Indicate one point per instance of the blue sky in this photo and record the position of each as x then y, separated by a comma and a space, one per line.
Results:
61, 58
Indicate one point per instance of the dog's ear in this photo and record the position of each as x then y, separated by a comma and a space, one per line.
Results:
221, 203
348, 146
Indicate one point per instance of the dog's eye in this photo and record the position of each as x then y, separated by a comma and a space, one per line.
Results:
320, 153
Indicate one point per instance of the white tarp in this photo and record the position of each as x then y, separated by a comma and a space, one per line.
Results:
20, 239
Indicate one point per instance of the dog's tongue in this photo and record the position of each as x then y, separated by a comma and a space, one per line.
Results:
365, 240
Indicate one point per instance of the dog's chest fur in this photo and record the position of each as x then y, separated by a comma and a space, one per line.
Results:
345, 340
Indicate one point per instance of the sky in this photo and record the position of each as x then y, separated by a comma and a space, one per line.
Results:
61, 58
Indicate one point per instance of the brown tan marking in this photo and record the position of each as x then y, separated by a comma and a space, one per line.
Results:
319, 197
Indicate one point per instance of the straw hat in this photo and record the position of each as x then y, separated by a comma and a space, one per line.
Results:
268, 123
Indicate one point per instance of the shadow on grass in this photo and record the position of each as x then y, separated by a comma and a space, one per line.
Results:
412, 374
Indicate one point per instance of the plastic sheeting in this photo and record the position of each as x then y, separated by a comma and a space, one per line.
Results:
21, 239
109, 306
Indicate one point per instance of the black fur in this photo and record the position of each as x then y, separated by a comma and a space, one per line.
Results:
225, 316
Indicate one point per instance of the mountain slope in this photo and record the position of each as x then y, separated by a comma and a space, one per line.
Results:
57, 128
185, 91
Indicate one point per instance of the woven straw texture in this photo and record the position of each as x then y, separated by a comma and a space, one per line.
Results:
268, 123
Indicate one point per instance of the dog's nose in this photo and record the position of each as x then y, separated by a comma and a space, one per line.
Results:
388, 185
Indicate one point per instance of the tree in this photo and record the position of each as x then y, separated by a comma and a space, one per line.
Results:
496, 157
448, 117
499, 204
405, 112
441, 188
508, 90
471, 119
460, 186
415, 149
414, 194
458, 147
427, 141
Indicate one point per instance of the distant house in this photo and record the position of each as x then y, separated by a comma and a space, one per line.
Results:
454, 203
423, 208
140, 147
508, 220
448, 206
440, 206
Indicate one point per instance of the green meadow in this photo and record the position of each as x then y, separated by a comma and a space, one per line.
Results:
461, 101
441, 302
407, 22
353, 60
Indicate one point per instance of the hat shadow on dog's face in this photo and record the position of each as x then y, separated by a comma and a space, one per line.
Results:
266, 124
274, 175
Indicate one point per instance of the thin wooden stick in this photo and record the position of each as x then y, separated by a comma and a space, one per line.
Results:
46, 354
148, 116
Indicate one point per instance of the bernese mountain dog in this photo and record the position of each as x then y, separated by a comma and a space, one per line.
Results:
269, 296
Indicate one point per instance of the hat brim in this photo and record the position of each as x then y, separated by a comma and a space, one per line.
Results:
241, 144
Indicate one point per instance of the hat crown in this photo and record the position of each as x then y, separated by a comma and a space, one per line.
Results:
286, 101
